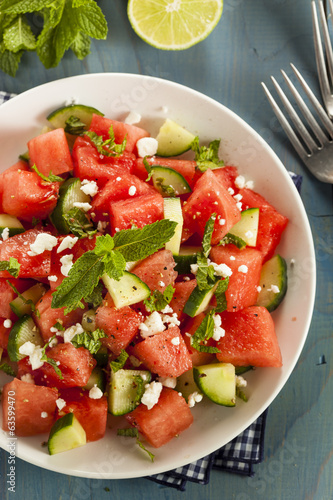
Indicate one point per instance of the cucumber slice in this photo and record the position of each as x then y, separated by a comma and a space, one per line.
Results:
247, 227
69, 193
59, 117
169, 182
199, 300
102, 356
24, 330
89, 320
239, 370
173, 139
97, 378
66, 434
187, 256
12, 223
186, 384
218, 382
273, 283
126, 390
173, 211
21, 306
130, 289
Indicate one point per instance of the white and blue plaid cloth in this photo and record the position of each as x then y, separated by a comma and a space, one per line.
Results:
237, 456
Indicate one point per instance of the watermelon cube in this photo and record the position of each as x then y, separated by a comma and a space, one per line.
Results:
50, 152
138, 211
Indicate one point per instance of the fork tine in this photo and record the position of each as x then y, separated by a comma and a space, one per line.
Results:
320, 59
326, 36
314, 101
300, 127
286, 125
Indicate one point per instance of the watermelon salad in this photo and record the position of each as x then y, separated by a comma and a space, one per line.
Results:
133, 282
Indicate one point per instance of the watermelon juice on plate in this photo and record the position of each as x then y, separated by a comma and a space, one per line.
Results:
170, 265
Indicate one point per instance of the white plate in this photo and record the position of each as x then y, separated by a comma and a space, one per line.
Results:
116, 94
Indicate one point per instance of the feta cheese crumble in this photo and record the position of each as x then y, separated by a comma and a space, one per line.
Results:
85, 206
168, 381
5, 234
67, 263
147, 146
61, 403
28, 378
89, 188
67, 243
43, 241
132, 190
70, 332
219, 332
95, 392
240, 381
151, 395
175, 341
34, 352
243, 269
7, 323
53, 278
274, 289
221, 222
151, 325
132, 118
193, 398
102, 225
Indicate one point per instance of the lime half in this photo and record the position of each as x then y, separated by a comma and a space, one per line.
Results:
174, 24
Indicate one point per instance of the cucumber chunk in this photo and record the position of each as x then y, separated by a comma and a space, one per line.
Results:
69, 193
173, 139
247, 227
66, 434
186, 384
218, 382
173, 211
130, 289
12, 223
126, 390
169, 182
102, 356
59, 117
21, 306
273, 283
199, 300
97, 378
24, 330
187, 256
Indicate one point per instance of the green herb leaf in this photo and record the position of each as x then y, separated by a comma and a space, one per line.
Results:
114, 262
9, 61
6, 368
106, 147
51, 361
207, 157
132, 432
207, 236
50, 178
148, 168
164, 189
205, 274
221, 301
119, 363
19, 36
74, 126
158, 300
235, 240
12, 266
96, 297
90, 19
241, 394
81, 45
24, 300
59, 326
89, 340
137, 244
79, 223
203, 333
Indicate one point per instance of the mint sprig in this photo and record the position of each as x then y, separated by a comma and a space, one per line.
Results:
12, 266
89, 340
132, 432
119, 363
106, 147
207, 156
203, 333
50, 178
221, 301
6, 368
158, 300
79, 223
51, 361
74, 126
233, 239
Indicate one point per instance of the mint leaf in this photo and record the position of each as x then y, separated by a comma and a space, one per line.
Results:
207, 157
96, 297
158, 300
45, 48
106, 147
81, 45
240, 394
89, 340
50, 361
9, 61
59, 326
235, 240
74, 126
90, 19
205, 274
24, 300
19, 36
104, 245
137, 244
203, 333
207, 236
79, 223
6, 368
80, 283
164, 189
221, 301
23, 6
50, 178
119, 363
114, 262
12, 266
148, 168
132, 432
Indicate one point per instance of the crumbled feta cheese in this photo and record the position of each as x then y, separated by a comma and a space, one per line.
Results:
89, 188
175, 341
132, 118
147, 146
193, 398
219, 332
44, 414
153, 323
67, 243
53, 342
85, 206
194, 268
53, 278
243, 269
221, 222
118, 179
239, 205
240, 381
102, 225
167, 309
67, 263
151, 395
258, 288
70, 332
232, 257
27, 377
34, 352
171, 320
168, 381
221, 269
238, 197
231, 191
274, 289
132, 190
43, 241
7, 323
95, 392
186, 278
249, 234
161, 283
249, 185
240, 181
5, 234
61, 403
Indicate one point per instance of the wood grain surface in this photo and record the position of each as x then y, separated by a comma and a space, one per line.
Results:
254, 39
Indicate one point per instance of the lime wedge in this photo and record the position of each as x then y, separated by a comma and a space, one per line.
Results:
174, 24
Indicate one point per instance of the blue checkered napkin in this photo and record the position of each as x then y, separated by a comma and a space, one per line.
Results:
5, 96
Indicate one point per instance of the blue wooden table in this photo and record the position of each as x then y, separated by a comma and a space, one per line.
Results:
254, 39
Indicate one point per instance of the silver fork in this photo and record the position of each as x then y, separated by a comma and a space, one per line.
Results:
316, 149
324, 64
